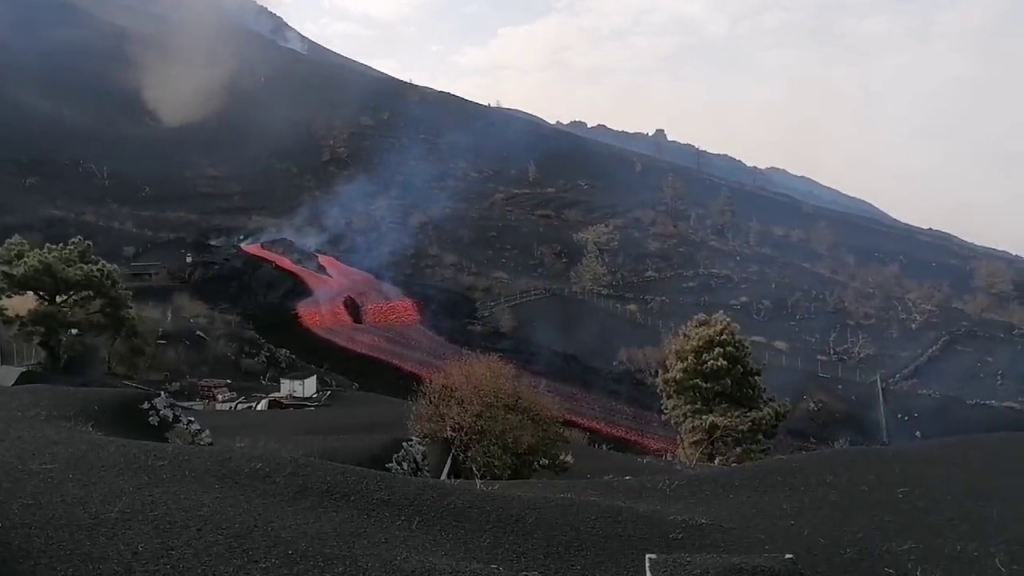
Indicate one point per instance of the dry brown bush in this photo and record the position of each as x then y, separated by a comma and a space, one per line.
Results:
648, 360
977, 305
499, 426
992, 276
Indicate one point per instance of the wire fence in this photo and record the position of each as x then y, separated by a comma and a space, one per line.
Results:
545, 289
14, 352
822, 367
825, 367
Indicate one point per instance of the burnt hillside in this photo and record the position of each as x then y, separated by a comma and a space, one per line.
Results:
133, 122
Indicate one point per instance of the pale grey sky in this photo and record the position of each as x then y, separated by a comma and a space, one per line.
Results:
913, 105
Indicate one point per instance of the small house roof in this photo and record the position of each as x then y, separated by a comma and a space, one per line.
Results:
9, 375
299, 375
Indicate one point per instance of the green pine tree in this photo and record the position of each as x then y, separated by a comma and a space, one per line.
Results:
77, 295
712, 394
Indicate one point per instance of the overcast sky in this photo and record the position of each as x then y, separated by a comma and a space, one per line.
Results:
913, 105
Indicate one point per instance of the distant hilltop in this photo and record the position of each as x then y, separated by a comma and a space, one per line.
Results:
721, 166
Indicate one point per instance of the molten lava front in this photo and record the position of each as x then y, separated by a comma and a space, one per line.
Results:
358, 312
336, 314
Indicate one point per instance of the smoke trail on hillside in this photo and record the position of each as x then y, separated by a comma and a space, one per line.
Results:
373, 220
183, 74
263, 20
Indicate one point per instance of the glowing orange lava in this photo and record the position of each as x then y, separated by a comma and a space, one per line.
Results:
391, 330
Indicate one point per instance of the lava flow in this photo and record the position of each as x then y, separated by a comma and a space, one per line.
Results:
358, 312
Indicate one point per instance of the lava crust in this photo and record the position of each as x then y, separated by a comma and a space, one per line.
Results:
391, 329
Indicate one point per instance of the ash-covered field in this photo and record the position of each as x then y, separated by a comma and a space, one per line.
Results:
88, 488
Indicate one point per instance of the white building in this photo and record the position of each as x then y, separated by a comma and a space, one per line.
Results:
299, 385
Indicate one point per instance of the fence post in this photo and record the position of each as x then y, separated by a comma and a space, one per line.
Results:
881, 410
800, 362
840, 370
783, 360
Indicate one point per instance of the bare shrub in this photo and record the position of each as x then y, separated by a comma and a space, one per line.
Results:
499, 426
592, 270
977, 305
673, 192
851, 347
552, 256
724, 216
993, 277
647, 361
603, 236
920, 305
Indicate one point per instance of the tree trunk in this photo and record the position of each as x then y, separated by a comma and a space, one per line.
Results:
438, 453
54, 352
110, 350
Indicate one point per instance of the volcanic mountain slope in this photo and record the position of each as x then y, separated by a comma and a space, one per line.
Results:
129, 122
722, 166
89, 489
347, 321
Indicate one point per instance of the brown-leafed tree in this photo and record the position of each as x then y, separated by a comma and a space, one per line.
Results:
992, 276
499, 426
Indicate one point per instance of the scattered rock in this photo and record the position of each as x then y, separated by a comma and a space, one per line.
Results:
178, 428
411, 460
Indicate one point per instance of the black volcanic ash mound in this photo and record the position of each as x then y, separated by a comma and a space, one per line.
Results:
77, 502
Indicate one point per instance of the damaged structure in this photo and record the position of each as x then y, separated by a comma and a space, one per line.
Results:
299, 385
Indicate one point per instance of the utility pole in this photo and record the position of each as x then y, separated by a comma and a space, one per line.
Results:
881, 410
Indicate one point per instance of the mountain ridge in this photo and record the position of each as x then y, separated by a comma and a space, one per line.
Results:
721, 165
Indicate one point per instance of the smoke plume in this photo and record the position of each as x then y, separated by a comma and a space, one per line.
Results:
184, 72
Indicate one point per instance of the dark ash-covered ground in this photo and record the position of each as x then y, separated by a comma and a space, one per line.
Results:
86, 490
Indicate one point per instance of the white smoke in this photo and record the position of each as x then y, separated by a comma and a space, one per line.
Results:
262, 21
185, 53
184, 72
